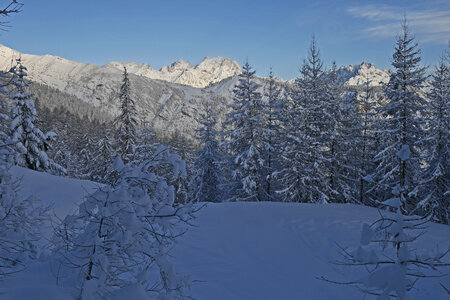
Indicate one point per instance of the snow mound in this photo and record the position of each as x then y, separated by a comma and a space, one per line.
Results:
64, 194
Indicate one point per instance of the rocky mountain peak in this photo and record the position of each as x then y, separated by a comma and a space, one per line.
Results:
179, 65
358, 74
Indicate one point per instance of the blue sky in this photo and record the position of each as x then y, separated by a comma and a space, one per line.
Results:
268, 33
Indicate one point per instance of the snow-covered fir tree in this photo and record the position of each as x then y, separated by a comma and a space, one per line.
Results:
340, 138
366, 145
5, 107
87, 147
273, 117
435, 190
334, 146
122, 235
31, 143
146, 144
291, 173
245, 139
126, 122
207, 179
401, 128
303, 175
103, 155
20, 218
80, 144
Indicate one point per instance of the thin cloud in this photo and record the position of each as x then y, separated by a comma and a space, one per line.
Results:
430, 26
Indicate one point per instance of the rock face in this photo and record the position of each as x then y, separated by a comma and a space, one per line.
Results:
210, 70
170, 99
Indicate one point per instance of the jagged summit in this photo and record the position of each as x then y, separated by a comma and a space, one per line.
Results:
357, 74
209, 70
180, 65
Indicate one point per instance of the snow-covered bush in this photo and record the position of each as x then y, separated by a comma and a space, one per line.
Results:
386, 250
162, 160
20, 221
122, 234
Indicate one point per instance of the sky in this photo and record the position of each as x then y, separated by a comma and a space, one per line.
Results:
268, 33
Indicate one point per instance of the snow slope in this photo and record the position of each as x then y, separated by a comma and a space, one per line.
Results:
240, 250
60, 192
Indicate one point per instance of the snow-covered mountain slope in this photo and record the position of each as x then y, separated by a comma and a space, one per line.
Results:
166, 106
241, 251
210, 70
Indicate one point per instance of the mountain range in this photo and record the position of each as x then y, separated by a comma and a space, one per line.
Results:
169, 99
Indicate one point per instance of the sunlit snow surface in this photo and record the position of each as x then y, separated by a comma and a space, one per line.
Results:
239, 250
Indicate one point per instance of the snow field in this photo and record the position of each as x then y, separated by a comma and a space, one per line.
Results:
235, 250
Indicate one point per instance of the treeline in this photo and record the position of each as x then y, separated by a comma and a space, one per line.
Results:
323, 143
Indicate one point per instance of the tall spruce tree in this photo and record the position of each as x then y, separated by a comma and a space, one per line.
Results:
436, 179
366, 145
245, 122
5, 136
303, 172
401, 127
271, 135
206, 182
340, 139
126, 122
103, 155
31, 143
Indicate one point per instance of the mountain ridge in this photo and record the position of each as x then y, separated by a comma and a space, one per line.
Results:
209, 70
170, 102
